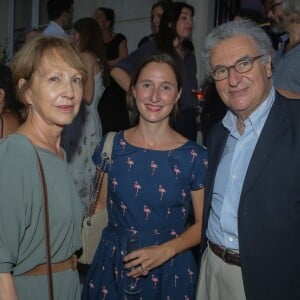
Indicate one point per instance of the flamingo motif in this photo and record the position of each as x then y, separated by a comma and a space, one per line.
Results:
162, 191
186, 297
130, 163
91, 285
132, 230
123, 208
191, 273
154, 280
153, 166
116, 273
111, 203
168, 211
122, 144
113, 250
156, 232
173, 233
137, 187
183, 209
175, 280
104, 292
115, 184
183, 194
194, 155
176, 170
205, 162
147, 211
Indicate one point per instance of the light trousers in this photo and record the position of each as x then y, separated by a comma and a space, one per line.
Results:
219, 280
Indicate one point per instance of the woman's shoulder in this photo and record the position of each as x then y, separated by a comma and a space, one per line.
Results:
193, 146
17, 148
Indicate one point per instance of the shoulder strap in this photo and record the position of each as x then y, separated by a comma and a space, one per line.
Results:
46, 227
108, 145
99, 175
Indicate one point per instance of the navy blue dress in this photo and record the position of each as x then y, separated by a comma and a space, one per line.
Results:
149, 196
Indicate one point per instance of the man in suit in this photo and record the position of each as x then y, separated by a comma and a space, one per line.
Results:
251, 221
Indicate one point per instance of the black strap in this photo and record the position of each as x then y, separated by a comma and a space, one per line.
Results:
47, 230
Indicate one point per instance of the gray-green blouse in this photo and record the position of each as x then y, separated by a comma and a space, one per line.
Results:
22, 244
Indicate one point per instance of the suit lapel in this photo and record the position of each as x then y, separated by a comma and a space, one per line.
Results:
274, 128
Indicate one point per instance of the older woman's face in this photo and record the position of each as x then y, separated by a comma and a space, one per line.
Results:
55, 93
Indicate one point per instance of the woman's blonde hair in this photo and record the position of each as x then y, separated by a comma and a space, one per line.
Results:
28, 58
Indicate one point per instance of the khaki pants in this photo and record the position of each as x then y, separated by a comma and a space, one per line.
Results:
219, 280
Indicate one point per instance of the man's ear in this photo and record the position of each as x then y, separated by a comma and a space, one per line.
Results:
27, 93
269, 67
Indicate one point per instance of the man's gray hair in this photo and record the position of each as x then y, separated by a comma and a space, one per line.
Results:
237, 29
291, 9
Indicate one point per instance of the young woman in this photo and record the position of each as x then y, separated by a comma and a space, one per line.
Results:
155, 178
49, 76
156, 13
112, 107
175, 27
86, 35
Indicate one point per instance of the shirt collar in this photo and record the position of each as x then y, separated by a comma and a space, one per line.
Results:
59, 29
256, 120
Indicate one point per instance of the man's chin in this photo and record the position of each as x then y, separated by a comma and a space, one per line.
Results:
276, 28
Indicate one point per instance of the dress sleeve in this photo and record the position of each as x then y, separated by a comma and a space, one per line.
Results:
14, 201
97, 153
199, 169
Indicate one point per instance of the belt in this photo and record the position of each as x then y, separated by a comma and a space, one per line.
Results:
226, 255
68, 264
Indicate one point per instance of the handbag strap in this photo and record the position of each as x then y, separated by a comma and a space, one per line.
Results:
46, 227
99, 176
108, 145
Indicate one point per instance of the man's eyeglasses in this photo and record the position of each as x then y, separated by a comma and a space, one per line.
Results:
242, 66
274, 5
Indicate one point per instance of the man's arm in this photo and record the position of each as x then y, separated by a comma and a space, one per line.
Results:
121, 77
288, 94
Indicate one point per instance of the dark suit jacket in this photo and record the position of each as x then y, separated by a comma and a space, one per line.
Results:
269, 208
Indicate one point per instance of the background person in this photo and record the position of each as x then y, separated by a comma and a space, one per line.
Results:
60, 14
82, 136
10, 109
248, 211
49, 76
112, 106
286, 15
176, 25
156, 13
156, 177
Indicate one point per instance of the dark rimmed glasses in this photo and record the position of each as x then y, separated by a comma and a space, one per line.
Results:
243, 65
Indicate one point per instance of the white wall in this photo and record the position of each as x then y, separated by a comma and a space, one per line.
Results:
132, 16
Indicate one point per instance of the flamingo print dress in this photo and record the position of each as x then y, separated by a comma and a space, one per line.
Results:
149, 196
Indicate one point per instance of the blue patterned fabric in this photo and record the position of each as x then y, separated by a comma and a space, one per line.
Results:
149, 196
